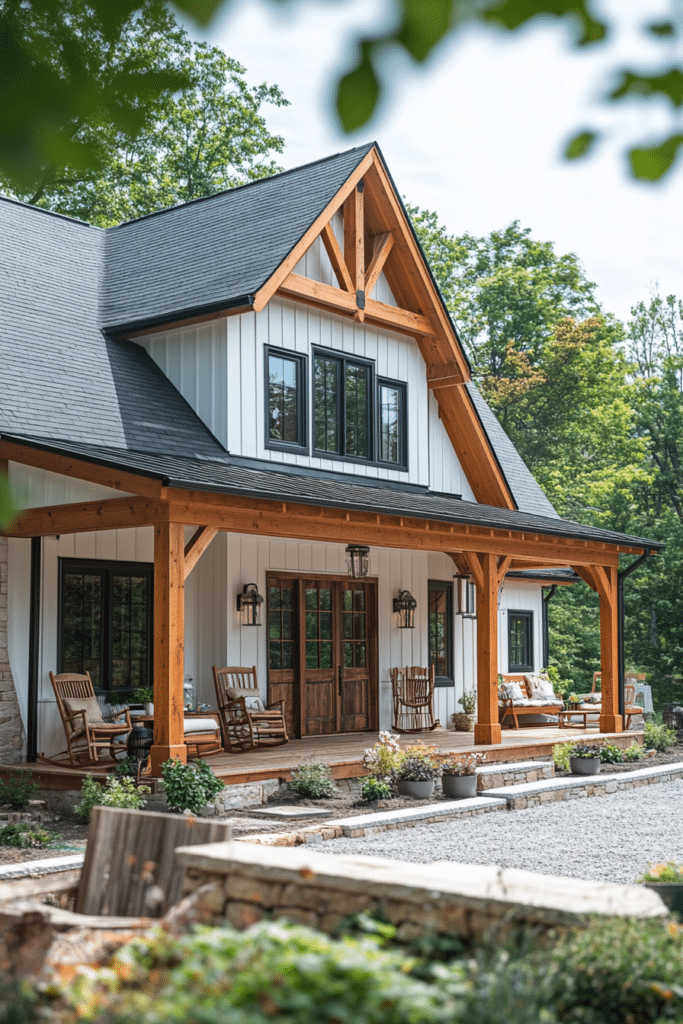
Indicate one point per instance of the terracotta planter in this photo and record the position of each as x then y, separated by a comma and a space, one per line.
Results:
670, 893
459, 786
420, 790
462, 722
584, 765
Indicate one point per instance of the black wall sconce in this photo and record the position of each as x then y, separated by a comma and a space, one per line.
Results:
249, 605
466, 598
357, 560
405, 605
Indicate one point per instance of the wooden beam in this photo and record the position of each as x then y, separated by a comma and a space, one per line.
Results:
610, 719
336, 258
354, 237
487, 727
381, 247
444, 375
334, 300
169, 651
474, 565
82, 517
502, 567
196, 546
266, 292
81, 469
203, 318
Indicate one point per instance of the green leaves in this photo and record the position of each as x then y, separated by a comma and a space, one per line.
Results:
8, 509
651, 163
580, 145
669, 84
358, 91
512, 14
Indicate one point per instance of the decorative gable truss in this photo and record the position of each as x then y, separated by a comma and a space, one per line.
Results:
378, 239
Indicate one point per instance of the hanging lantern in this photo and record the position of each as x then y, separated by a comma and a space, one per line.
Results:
466, 598
357, 560
405, 605
140, 740
249, 605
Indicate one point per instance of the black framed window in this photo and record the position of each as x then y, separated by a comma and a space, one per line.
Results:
342, 406
392, 422
440, 625
520, 641
285, 399
105, 622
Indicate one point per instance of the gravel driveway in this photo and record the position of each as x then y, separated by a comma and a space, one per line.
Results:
610, 838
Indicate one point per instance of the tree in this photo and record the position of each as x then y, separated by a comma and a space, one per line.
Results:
41, 99
208, 136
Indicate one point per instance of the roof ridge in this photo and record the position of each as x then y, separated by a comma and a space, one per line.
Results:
248, 184
50, 213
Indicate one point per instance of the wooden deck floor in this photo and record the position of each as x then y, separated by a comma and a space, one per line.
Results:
344, 753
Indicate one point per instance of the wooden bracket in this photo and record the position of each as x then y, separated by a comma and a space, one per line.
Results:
196, 546
336, 258
381, 247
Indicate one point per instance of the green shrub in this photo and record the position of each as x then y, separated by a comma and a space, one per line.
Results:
610, 753
313, 780
26, 836
17, 789
114, 793
658, 737
374, 789
189, 786
634, 752
561, 754
270, 972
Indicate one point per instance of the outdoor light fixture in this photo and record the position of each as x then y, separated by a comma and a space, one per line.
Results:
465, 592
405, 605
249, 605
357, 560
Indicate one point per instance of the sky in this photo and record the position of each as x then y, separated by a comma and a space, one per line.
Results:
478, 134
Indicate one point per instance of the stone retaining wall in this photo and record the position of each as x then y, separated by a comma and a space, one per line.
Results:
512, 774
243, 885
521, 796
11, 728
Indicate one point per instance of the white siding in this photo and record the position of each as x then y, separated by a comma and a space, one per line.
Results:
518, 596
36, 488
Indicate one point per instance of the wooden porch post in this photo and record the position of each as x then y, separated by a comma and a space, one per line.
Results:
487, 581
603, 579
169, 636
610, 719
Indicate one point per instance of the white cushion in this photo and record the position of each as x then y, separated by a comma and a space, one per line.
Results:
93, 712
541, 687
200, 725
251, 696
513, 691
545, 703
255, 704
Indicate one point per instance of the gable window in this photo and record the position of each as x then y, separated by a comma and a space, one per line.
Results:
342, 402
520, 641
105, 622
440, 624
285, 399
392, 420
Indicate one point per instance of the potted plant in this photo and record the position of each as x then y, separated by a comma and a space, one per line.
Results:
458, 774
417, 771
145, 695
573, 701
585, 759
463, 721
667, 882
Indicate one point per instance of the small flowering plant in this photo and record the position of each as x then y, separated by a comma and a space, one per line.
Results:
586, 750
381, 760
663, 873
461, 764
468, 701
418, 763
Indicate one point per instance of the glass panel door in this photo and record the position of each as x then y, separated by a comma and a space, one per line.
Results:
282, 648
321, 661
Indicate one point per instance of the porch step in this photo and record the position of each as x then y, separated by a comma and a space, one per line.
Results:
518, 797
513, 773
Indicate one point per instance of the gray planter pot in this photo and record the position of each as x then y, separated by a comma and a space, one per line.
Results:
584, 765
459, 786
421, 790
670, 893
462, 722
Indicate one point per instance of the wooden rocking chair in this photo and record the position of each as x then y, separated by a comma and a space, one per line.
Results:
245, 721
413, 696
87, 734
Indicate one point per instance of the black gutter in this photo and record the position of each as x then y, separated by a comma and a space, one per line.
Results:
621, 576
33, 651
547, 598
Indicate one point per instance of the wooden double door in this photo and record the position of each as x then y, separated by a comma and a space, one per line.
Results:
322, 652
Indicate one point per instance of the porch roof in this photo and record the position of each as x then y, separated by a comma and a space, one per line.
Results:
231, 477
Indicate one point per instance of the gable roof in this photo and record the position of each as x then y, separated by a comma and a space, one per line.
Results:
217, 252
68, 282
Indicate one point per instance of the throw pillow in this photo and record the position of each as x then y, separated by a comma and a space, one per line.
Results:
252, 698
540, 687
93, 712
512, 691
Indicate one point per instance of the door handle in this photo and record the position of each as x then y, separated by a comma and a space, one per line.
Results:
341, 678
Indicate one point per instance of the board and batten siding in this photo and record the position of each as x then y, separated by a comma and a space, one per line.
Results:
518, 596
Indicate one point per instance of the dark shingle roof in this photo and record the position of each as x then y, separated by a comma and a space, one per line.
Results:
225, 477
214, 252
60, 376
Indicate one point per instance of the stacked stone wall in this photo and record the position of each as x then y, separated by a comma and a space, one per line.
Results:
11, 729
